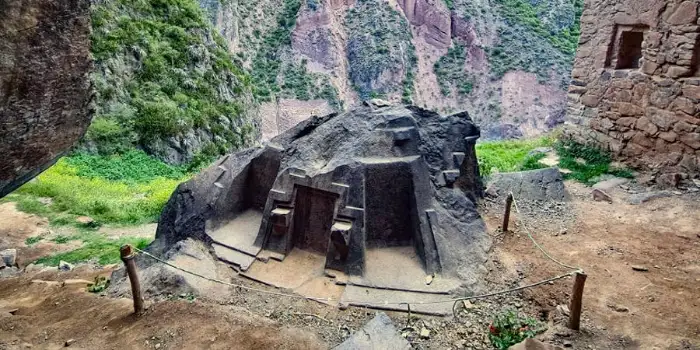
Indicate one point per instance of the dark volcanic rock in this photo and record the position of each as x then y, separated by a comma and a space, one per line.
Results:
338, 184
44, 86
534, 185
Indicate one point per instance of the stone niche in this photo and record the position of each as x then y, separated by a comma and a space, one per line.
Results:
625, 51
371, 178
635, 88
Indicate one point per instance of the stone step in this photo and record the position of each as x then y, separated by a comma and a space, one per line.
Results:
233, 257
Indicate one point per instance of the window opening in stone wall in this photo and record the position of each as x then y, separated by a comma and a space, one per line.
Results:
629, 52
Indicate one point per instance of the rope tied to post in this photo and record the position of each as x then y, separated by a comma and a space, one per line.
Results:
129, 252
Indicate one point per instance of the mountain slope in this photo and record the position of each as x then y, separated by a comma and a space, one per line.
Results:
166, 83
505, 61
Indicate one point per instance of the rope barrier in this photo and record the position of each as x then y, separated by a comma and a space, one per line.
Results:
546, 254
455, 301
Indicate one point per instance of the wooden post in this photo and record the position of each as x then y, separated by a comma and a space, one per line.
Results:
506, 217
576, 301
127, 256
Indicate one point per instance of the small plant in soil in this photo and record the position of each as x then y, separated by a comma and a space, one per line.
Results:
33, 240
509, 328
101, 283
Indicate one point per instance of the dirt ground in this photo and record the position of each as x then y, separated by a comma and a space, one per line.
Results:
623, 308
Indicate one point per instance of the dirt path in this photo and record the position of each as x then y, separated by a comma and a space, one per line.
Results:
654, 309
48, 315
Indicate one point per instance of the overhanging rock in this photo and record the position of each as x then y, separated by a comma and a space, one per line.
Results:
339, 186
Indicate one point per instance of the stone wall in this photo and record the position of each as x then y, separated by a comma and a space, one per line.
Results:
635, 87
45, 90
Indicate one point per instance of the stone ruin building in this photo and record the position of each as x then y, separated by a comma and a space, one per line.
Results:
635, 87
342, 186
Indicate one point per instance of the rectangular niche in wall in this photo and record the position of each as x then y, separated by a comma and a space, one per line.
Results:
625, 51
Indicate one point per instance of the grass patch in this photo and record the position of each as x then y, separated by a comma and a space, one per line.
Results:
131, 166
587, 163
97, 248
510, 156
33, 240
81, 186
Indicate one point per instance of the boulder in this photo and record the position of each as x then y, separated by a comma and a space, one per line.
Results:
379, 333
389, 175
65, 266
541, 185
9, 257
45, 90
609, 184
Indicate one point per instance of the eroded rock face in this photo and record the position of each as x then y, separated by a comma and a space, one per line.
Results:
44, 86
434, 16
635, 87
371, 177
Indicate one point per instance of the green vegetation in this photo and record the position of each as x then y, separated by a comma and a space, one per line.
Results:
33, 240
163, 72
450, 71
511, 155
132, 166
97, 248
101, 283
450, 4
540, 38
61, 239
587, 163
267, 63
509, 328
520, 49
559, 25
130, 189
379, 44
274, 77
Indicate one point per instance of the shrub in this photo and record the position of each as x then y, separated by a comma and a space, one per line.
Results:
163, 72
101, 283
508, 328
450, 71
33, 240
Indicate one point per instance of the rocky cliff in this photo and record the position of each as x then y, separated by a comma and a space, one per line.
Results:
505, 61
44, 87
166, 83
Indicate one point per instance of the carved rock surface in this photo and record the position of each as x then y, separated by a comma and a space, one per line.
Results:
44, 86
371, 177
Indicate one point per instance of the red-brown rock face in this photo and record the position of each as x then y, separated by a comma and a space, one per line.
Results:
44, 85
435, 18
636, 82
